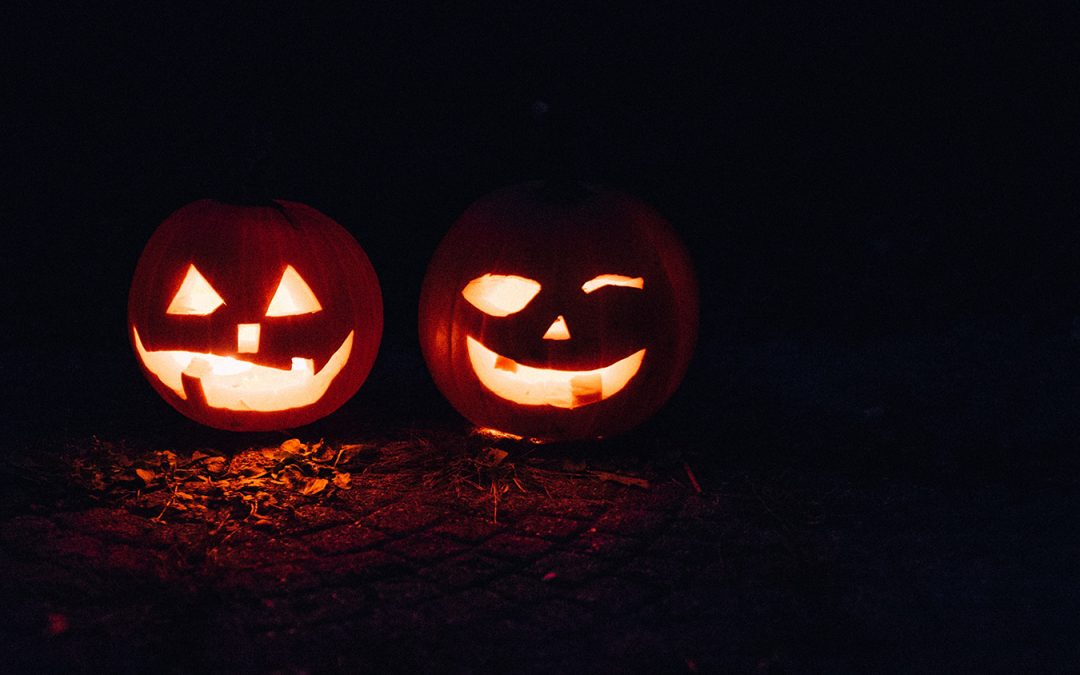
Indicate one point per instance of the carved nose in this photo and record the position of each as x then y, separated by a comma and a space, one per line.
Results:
557, 330
247, 338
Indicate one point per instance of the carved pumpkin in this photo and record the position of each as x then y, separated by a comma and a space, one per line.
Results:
254, 317
558, 312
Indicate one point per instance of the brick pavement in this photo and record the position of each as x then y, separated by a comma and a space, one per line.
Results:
390, 573
908, 507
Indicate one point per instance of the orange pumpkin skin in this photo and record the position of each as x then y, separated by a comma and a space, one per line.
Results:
261, 337
560, 238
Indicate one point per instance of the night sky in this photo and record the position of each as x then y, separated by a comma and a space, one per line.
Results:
851, 173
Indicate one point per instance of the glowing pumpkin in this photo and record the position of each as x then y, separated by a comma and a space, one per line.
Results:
558, 312
254, 317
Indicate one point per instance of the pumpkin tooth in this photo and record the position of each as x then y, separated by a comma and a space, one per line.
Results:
198, 367
193, 389
503, 363
586, 389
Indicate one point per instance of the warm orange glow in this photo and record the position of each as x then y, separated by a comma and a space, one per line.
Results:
557, 330
546, 386
612, 280
500, 294
233, 384
496, 434
195, 297
293, 296
247, 338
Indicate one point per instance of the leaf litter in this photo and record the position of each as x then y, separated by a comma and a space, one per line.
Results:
264, 486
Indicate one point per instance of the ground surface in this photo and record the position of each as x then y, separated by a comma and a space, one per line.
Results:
902, 505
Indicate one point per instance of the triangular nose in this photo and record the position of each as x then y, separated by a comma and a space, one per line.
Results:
557, 330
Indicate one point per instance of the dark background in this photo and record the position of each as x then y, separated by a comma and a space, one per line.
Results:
841, 175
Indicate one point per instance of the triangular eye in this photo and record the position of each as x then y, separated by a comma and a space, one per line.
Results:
195, 297
293, 296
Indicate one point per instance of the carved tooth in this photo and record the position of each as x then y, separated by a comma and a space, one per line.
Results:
587, 389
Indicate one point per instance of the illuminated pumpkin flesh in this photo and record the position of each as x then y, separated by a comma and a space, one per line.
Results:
558, 316
254, 317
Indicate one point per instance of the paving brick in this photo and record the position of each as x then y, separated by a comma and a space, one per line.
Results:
135, 560
404, 516
27, 534
404, 592
614, 595
112, 524
562, 616
521, 588
607, 545
69, 545
567, 567
272, 580
467, 569
514, 546
424, 548
550, 527
576, 509
342, 538
631, 522
317, 516
249, 548
357, 567
468, 528
470, 605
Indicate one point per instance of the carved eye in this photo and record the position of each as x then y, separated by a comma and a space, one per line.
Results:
293, 296
602, 280
500, 294
196, 296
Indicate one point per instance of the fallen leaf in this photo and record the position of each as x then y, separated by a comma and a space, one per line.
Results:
293, 445
146, 475
314, 486
343, 481
492, 457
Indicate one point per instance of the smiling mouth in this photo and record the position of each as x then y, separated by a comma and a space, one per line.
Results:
526, 385
233, 384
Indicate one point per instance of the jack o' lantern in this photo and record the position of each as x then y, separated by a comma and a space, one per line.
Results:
254, 317
558, 312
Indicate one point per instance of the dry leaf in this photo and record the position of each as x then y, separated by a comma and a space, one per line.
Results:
314, 486
492, 457
293, 446
343, 481
146, 475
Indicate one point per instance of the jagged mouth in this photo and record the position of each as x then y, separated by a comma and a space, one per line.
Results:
234, 384
527, 385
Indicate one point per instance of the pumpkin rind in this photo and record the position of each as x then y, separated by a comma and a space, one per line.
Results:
562, 240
